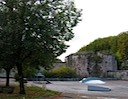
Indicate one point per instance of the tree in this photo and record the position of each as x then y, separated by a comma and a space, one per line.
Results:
7, 64
35, 30
122, 52
123, 46
107, 44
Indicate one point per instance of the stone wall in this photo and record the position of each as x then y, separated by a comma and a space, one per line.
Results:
87, 64
91, 64
120, 74
108, 63
78, 62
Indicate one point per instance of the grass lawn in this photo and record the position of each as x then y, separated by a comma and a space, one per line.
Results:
32, 92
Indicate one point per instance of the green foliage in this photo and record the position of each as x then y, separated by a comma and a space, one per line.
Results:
16, 77
117, 45
108, 44
29, 72
123, 46
32, 93
61, 72
58, 60
49, 74
34, 32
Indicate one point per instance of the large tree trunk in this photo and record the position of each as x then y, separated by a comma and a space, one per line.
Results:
21, 81
7, 77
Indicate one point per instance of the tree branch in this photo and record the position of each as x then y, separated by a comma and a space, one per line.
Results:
28, 55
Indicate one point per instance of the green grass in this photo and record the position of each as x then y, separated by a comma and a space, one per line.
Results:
31, 93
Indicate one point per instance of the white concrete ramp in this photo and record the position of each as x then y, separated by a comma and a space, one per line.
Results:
98, 88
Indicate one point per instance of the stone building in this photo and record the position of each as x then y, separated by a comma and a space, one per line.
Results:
91, 64
86, 64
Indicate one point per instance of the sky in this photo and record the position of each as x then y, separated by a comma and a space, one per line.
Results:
100, 18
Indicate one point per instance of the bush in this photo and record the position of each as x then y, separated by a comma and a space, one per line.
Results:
61, 72
49, 74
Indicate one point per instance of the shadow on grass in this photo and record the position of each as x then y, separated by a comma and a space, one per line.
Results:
32, 92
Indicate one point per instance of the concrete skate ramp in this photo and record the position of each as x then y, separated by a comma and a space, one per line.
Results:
98, 88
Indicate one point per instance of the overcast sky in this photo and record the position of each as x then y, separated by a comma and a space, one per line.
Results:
101, 18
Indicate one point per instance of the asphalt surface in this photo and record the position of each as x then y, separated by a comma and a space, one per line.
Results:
119, 89
77, 90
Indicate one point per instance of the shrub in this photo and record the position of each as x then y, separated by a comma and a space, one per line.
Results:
61, 72
49, 74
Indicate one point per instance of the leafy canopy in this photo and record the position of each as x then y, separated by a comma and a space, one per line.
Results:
34, 32
117, 45
36, 29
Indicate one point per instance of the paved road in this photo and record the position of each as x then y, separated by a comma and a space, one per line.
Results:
119, 89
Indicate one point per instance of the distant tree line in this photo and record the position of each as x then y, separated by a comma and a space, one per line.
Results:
117, 45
